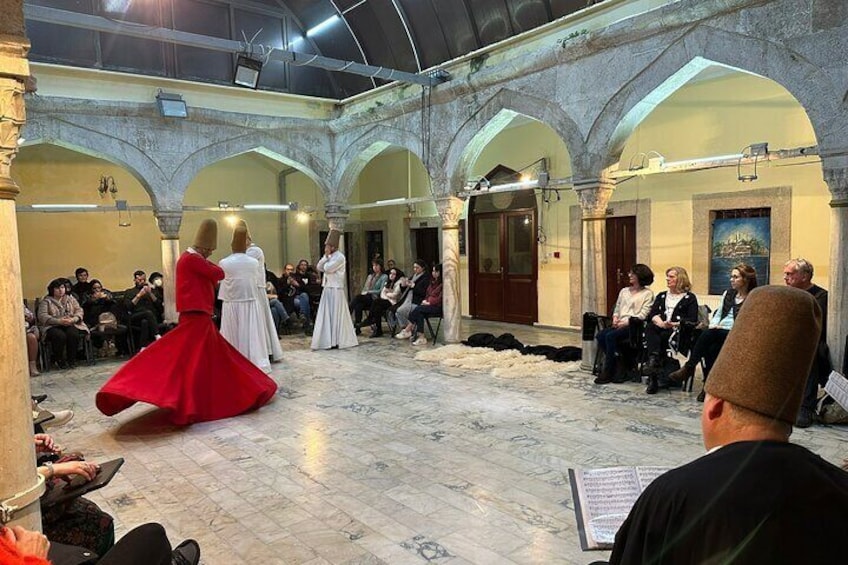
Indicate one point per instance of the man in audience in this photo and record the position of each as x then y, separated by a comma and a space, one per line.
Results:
754, 497
798, 273
82, 286
145, 309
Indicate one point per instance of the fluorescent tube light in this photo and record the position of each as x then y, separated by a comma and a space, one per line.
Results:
63, 206
323, 25
392, 201
266, 207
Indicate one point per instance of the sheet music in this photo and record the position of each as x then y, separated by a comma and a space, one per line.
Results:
837, 387
604, 498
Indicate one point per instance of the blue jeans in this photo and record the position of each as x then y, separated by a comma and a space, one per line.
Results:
301, 304
608, 340
278, 312
423, 311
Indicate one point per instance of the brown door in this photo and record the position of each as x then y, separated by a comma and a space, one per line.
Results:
426, 245
621, 255
504, 267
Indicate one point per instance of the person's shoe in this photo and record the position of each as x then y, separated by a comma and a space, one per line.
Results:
653, 386
682, 374
404, 334
603, 377
702, 395
620, 375
33, 369
357, 329
37, 398
420, 340
62, 364
308, 330
60, 418
187, 553
805, 418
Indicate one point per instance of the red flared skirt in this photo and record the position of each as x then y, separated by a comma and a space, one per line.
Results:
192, 372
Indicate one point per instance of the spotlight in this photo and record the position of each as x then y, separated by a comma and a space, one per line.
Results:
247, 72
171, 105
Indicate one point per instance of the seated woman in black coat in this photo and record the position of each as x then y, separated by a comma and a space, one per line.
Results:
671, 308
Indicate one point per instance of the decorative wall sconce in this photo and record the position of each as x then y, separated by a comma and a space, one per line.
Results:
107, 184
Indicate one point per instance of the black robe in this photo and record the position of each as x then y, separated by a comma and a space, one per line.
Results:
748, 502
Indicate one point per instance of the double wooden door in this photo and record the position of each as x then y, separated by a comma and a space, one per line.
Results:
503, 267
620, 255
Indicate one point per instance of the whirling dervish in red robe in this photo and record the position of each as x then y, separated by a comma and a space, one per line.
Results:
192, 372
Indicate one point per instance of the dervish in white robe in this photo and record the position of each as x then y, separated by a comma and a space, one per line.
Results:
272, 342
333, 324
241, 323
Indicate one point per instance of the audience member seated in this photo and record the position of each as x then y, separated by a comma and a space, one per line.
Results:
743, 279
305, 282
102, 314
419, 282
144, 545
286, 290
798, 273
145, 310
32, 335
374, 283
77, 521
389, 296
671, 308
82, 286
60, 320
634, 301
278, 312
431, 306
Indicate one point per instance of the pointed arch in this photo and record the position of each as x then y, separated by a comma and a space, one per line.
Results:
703, 47
473, 136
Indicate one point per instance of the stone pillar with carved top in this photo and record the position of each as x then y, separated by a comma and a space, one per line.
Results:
594, 195
16, 441
450, 210
169, 224
836, 177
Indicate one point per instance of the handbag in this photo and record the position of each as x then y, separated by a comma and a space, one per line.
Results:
107, 321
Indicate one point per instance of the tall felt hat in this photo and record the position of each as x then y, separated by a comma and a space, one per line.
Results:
764, 364
333, 238
239, 244
207, 234
243, 224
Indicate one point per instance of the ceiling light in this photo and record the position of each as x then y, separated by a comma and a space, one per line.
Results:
247, 72
281, 207
323, 25
64, 206
171, 105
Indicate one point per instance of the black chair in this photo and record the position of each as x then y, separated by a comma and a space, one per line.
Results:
433, 333
632, 350
45, 352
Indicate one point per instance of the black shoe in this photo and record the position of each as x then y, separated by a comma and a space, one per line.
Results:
620, 375
308, 330
682, 374
653, 386
357, 330
805, 418
38, 398
603, 377
187, 553
701, 396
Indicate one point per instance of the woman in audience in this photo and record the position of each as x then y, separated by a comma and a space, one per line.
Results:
278, 311
389, 296
374, 284
32, 341
60, 320
96, 302
430, 306
671, 308
743, 279
77, 521
634, 301
419, 282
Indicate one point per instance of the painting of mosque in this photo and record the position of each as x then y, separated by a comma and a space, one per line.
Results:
739, 240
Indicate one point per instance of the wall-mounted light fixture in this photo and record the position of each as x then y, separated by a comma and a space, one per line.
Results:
247, 72
171, 105
107, 184
124, 214
750, 153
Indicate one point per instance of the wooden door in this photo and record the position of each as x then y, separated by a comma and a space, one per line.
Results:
426, 245
505, 267
620, 255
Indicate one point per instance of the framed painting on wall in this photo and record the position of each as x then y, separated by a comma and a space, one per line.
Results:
739, 236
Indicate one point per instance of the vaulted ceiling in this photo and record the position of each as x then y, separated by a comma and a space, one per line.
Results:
406, 35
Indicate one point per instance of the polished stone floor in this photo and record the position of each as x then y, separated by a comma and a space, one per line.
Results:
368, 456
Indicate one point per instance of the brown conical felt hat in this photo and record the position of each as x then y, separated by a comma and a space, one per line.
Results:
239, 244
333, 238
243, 224
207, 234
764, 364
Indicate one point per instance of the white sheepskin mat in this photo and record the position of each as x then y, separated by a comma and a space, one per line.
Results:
508, 363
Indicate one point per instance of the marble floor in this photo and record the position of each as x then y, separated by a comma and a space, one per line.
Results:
368, 456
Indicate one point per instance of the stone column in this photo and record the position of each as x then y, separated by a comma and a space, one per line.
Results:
594, 194
450, 209
337, 217
836, 178
169, 224
16, 445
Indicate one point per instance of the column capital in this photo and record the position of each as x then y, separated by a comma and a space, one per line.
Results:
169, 223
12, 119
450, 210
594, 195
837, 180
337, 216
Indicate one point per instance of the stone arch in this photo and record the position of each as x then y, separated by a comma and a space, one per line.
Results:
703, 47
491, 119
367, 146
45, 130
288, 153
